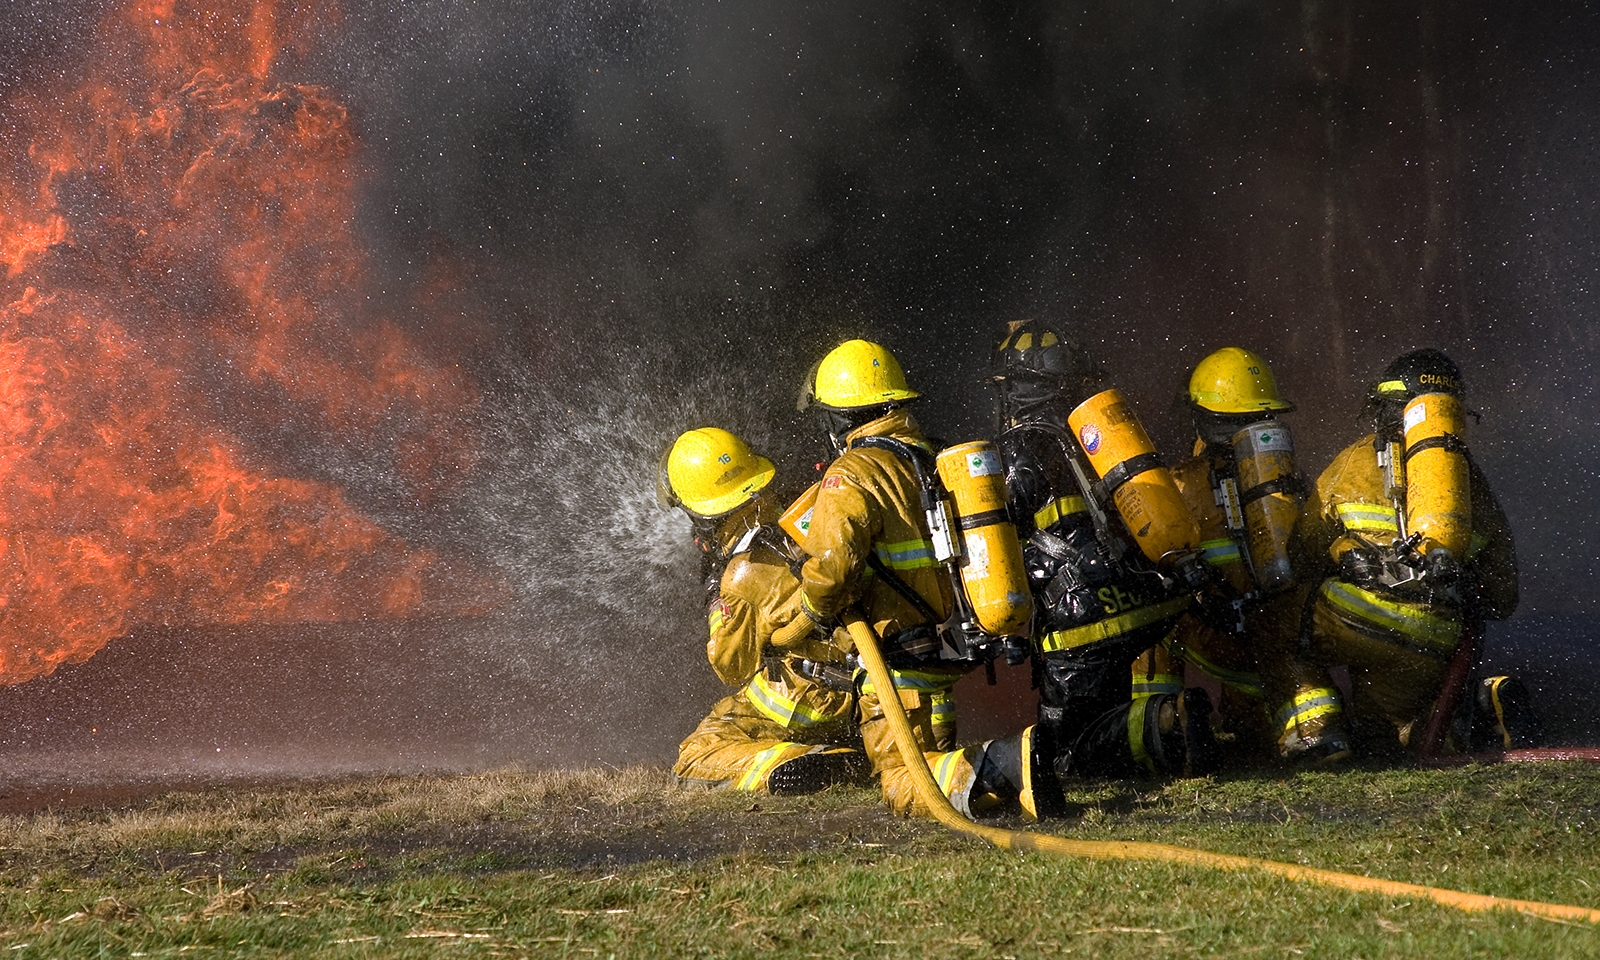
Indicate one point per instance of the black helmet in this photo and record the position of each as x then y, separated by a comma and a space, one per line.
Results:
1036, 366
1418, 372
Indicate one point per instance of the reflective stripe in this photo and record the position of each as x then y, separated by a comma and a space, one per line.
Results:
717, 615
1308, 705
906, 555
1379, 517
761, 767
768, 699
1494, 684
1053, 511
942, 708
1435, 636
1245, 681
1136, 722
916, 680
1157, 684
1219, 552
1112, 626
945, 770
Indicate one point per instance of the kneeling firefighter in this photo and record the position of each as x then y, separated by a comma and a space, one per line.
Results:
790, 728
1245, 490
1419, 549
1112, 554
870, 547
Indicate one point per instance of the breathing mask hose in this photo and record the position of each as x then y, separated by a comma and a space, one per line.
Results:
934, 799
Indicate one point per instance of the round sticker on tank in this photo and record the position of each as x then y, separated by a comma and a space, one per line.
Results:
1089, 436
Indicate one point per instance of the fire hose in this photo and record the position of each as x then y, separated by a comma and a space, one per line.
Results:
933, 797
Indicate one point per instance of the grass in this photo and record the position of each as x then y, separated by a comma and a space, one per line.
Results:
601, 863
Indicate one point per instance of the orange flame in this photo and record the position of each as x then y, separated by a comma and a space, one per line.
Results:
181, 285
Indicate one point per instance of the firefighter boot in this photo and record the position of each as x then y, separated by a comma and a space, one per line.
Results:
1505, 718
1021, 766
1311, 728
821, 768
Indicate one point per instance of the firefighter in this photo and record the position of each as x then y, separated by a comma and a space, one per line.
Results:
869, 548
1244, 488
1418, 549
1100, 600
790, 728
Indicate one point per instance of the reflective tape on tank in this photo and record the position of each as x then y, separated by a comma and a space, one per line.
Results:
1052, 512
1308, 705
1379, 517
768, 699
1112, 626
1435, 636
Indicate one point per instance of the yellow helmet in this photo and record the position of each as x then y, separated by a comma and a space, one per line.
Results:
710, 472
1234, 380
855, 374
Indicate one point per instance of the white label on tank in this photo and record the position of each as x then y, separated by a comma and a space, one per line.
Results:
983, 463
1415, 414
1271, 439
977, 556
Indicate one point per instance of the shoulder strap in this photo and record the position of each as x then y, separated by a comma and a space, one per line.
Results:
920, 458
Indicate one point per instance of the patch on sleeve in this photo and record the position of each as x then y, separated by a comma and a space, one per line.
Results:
718, 614
833, 482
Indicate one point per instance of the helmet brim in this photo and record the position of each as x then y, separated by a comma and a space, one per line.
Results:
734, 499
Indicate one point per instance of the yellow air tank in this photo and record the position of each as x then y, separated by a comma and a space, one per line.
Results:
796, 521
1438, 481
1264, 455
992, 572
1141, 487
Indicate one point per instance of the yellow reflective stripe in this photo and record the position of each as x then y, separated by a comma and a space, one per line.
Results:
1245, 681
761, 766
1308, 705
916, 680
1136, 722
906, 555
945, 770
943, 708
1414, 620
1218, 552
1112, 626
1053, 511
1499, 710
1157, 684
787, 711
1368, 516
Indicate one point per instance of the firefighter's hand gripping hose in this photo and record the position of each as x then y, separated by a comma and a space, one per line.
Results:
930, 794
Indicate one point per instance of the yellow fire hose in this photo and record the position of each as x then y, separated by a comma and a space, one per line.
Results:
928, 790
